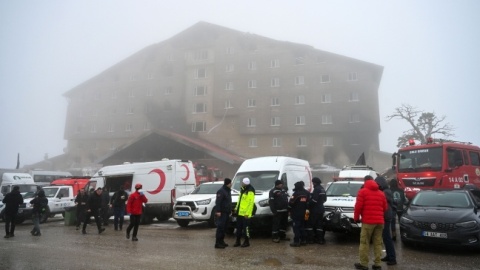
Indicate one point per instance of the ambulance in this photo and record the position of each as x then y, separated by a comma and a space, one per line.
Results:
163, 181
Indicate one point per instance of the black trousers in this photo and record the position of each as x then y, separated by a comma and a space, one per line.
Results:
134, 223
10, 224
222, 223
279, 224
95, 215
243, 227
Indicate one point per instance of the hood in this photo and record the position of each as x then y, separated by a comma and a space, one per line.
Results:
372, 185
196, 197
440, 214
382, 182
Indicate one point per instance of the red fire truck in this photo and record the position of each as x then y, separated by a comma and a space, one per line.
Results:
204, 173
437, 164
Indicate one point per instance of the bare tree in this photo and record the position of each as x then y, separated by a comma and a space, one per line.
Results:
424, 124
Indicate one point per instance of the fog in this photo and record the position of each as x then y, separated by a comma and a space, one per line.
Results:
429, 51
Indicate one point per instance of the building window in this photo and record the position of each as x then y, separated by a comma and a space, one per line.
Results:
114, 94
251, 122
149, 93
326, 119
252, 84
133, 78
302, 142
128, 127
252, 142
94, 146
275, 101
275, 82
229, 86
111, 128
96, 96
228, 104
199, 126
168, 90
300, 120
251, 103
299, 80
252, 65
324, 78
200, 91
353, 97
170, 58
200, 73
275, 63
299, 61
229, 68
326, 98
275, 121
230, 50
352, 76
131, 94
201, 55
146, 126
328, 141
93, 128
93, 112
200, 108
78, 129
130, 110
277, 142
354, 118
149, 76
299, 100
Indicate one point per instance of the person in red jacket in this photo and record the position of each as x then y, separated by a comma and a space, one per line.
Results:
134, 208
370, 208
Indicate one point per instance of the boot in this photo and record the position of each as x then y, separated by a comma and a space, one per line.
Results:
246, 243
223, 242
219, 244
237, 242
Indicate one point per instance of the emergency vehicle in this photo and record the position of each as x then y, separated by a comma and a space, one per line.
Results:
436, 164
76, 182
162, 182
355, 173
206, 174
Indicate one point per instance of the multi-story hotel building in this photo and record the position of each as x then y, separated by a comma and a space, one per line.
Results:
214, 92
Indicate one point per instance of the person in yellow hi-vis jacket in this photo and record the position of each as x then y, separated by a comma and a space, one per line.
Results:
244, 211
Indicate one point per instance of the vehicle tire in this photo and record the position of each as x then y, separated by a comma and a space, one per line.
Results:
212, 221
163, 218
183, 222
146, 219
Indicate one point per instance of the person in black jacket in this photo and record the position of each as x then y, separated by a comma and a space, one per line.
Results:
223, 209
12, 202
298, 206
314, 230
118, 202
399, 202
94, 204
390, 258
278, 201
40, 203
81, 203
105, 212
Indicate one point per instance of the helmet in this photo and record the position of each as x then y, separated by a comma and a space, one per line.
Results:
138, 186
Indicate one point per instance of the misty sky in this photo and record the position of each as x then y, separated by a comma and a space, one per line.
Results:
430, 51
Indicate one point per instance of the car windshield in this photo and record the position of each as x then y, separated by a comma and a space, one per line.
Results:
343, 189
260, 181
50, 192
29, 195
420, 160
442, 199
27, 188
207, 188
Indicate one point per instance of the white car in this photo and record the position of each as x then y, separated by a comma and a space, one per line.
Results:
198, 205
340, 204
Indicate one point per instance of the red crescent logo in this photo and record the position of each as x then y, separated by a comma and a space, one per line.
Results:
188, 172
161, 174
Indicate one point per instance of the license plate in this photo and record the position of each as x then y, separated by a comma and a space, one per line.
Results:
183, 213
434, 234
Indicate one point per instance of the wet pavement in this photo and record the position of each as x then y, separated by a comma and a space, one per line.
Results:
168, 246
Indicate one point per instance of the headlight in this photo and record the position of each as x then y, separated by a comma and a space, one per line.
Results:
204, 202
467, 224
263, 203
406, 220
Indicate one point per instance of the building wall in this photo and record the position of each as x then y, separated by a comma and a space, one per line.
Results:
326, 104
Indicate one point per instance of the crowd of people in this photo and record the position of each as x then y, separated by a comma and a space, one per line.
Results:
377, 205
96, 204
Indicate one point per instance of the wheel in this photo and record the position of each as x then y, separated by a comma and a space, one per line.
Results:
212, 221
146, 219
183, 222
163, 217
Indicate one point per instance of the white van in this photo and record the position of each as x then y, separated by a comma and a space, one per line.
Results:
42, 176
23, 180
263, 172
163, 181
